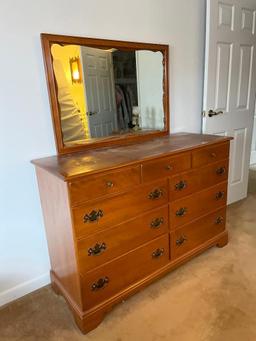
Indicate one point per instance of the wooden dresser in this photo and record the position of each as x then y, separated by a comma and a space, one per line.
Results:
119, 218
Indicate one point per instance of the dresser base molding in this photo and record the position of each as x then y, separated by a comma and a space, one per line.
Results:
89, 320
223, 241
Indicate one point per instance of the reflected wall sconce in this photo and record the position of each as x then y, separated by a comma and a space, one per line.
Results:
75, 69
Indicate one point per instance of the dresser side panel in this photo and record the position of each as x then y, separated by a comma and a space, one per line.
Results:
59, 232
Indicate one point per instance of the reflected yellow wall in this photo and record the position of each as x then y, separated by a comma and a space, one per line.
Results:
64, 53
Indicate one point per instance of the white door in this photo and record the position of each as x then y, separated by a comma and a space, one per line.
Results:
253, 153
99, 91
229, 85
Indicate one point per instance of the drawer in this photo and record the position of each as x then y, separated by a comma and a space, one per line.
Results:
99, 185
192, 235
196, 180
104, 246
186, 209
111, 278
165, 167
211, 154
92, 218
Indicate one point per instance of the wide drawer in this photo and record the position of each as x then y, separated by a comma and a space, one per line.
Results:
92, 218
210, 154
104, 246
99, 185
165, 167
186, 209
111, 278
192, 235
193, 181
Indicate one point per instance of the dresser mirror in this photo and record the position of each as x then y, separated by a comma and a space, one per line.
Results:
105, 92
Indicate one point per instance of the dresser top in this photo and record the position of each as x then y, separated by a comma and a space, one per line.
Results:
75, 165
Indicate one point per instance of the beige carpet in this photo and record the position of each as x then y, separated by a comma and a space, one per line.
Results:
213, 297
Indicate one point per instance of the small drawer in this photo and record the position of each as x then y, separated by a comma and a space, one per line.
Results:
96, 186
111, 278
192, 235
189, 208
105, 246
92, 218
196, 180
211, 154
165, 167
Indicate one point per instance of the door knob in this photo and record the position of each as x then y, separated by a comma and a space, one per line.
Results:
214, 113
90, 113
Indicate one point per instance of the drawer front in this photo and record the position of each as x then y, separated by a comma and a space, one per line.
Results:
105, 246
92, 218
186, 209
196, 180
100, 185
193, 235
102, 283
165, 167
211, 154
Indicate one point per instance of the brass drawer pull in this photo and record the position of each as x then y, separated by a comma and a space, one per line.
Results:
220, 170
109, 184
97, 249
181, 185
169, 167
219, 220
156, 194
213, 155
100, 284
219, 195
181, 240
156, 223
181, 212
158, 253
93, 216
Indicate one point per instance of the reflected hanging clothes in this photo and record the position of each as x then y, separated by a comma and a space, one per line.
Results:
124, 103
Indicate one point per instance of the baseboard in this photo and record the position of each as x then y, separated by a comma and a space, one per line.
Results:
24, 288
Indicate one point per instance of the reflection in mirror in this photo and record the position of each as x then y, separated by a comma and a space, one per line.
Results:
107, 92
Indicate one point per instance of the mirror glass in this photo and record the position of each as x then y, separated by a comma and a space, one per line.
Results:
107, 92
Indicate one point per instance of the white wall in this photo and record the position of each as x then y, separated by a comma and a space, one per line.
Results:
26, 129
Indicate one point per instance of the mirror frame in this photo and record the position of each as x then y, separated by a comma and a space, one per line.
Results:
48, 39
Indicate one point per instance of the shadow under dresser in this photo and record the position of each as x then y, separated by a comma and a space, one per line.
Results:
118, 218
